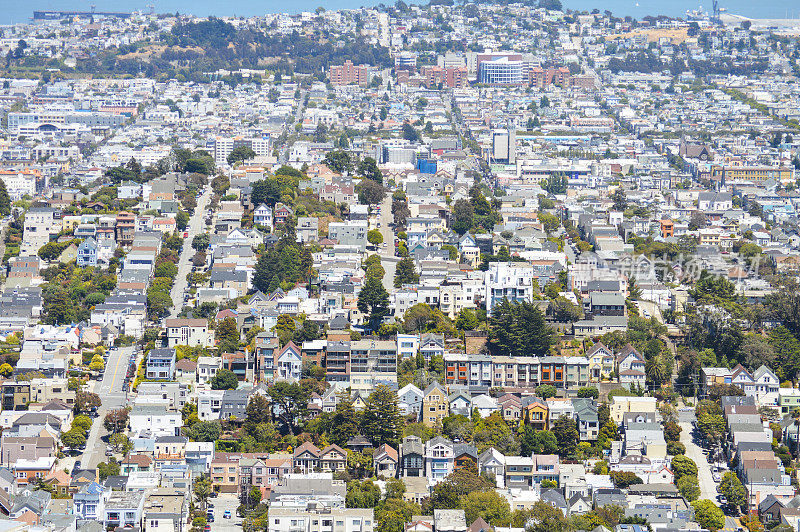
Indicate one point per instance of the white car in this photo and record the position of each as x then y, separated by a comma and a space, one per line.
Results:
717, 477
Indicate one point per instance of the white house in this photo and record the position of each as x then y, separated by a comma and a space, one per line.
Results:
191, 332
209, 404
407, 345
207, 367
156, 420
288, 363
262, 215
409, 400
505, 280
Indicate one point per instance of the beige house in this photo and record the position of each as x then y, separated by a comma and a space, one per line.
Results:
623, 405
46, 390
435, 404
192, 332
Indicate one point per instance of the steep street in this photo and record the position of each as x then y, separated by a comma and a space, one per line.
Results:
185, 263
708, 488
110, 391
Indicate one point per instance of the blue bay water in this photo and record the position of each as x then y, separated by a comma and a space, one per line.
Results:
15, 11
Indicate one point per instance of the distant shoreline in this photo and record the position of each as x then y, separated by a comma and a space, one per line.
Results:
767, 10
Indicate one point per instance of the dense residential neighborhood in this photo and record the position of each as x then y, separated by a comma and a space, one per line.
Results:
452, 267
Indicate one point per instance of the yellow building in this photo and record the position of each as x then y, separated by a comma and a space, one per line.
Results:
435, 404
623, 405
756, 174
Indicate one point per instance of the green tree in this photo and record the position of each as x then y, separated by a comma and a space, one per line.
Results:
556, 184
266, 191
158, 302
224, 379
73, 438
6, 370
405, 272
733, 490
549, 221
489, 505
625, 479
546, 391
83, 423
201, 242
620, 199
374, 237
708, 515
461, 482
634, 292
344, 422
182, 220
381, 421
546, 518
519, 329
257, 410
589, 391
120, 442
368, 168
463, 216
566, 432
712, 426
116, 420
538, 441
755, 351
5, 200
109, 469
564, 310
239, 154
205, 431
689, 487
467, 320
409, 133
202, 490
362, 494
284, 264
86, 401
683, 466
291, 404
373, 301
227, 334
339, 161
787, 348
370, 192
167, 270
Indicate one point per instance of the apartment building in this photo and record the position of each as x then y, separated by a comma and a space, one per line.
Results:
191, 332
505, 280
320, 519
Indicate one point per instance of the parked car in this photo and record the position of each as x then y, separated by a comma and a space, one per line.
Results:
227, 514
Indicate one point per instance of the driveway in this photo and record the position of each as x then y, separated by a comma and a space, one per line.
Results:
195, 227
708, 488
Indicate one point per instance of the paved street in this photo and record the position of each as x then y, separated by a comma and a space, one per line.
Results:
226, 501
388, 259
110, 391
195, 227
288, 128
708, 488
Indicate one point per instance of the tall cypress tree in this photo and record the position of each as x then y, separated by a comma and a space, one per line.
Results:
5, 200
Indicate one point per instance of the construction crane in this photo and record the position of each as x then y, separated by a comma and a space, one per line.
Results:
715, 11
